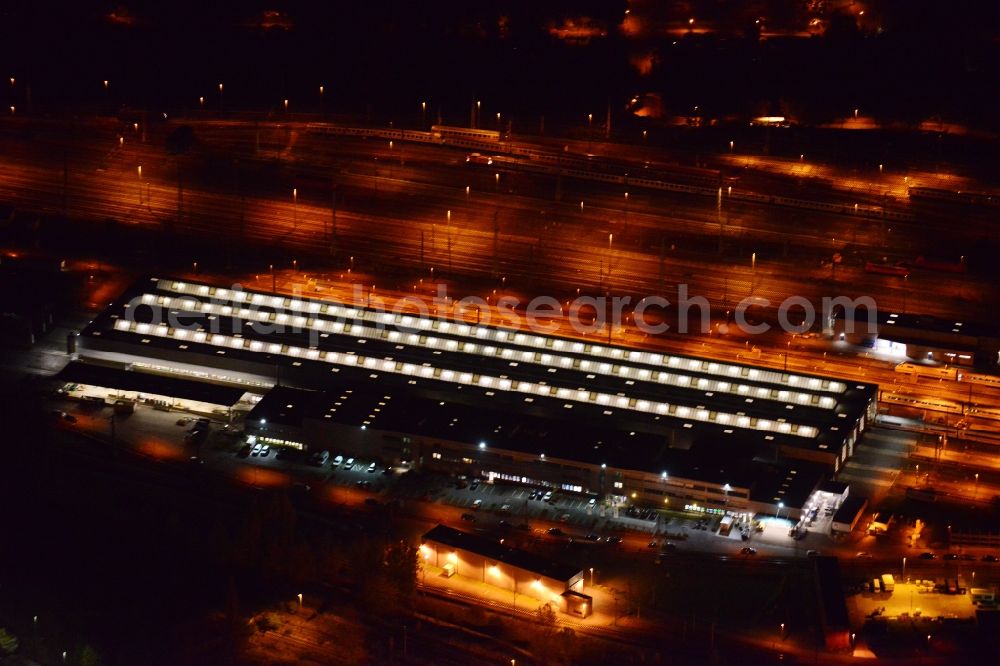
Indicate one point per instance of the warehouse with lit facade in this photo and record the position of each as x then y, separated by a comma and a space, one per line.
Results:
506, 405
455, 552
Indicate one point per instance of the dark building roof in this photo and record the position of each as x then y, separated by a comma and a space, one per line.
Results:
902, 324
557, 435
789, 482
850, 509
143, 382
493, 550
834, 487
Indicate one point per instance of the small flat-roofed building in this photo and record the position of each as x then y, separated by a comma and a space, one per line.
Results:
849, 514
487, 560
926, 339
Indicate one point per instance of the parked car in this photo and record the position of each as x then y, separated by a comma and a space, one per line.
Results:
863, 555
468, 517
349, 464
244, 451
928, 556
989, 558
473, 485
555, 531
265, 450
338, 461
590, 536
613, 539
951, 556
256, 449
371, 468
747, 550
812, 553
478, 503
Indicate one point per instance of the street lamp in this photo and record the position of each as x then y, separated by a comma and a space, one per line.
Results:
300, 600
904, 568
777, 513
286, 105
295, 207
976, 490
592, 576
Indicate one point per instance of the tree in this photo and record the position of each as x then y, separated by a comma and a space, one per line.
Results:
546, 617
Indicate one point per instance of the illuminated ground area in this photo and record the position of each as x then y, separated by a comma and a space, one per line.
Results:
909, 600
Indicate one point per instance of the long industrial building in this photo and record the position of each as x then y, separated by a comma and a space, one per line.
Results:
507, 405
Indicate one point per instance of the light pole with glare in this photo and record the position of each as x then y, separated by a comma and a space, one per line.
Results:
295, 207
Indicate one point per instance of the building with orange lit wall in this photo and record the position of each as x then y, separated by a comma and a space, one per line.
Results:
486, 560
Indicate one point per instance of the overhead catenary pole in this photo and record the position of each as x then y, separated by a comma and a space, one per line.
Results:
333, 220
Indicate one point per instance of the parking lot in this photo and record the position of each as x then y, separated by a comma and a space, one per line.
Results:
560, 516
